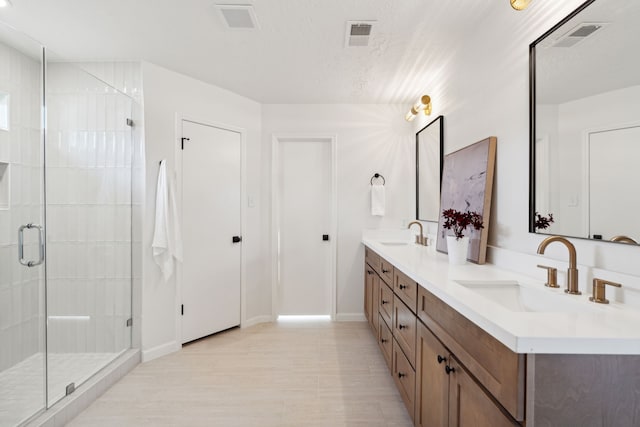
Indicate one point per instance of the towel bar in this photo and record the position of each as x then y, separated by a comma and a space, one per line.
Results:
375, 176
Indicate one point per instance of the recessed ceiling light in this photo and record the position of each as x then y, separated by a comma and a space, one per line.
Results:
5, 3
237, 16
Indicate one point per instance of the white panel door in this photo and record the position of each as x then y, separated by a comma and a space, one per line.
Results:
304, 180
613, 183
211, 198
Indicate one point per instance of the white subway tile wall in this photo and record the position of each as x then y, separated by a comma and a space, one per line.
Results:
89, 161
21, 296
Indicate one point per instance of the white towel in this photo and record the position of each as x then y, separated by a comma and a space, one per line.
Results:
167, 242
377, 200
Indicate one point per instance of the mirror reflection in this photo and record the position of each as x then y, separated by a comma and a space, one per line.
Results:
585, 141
429, 146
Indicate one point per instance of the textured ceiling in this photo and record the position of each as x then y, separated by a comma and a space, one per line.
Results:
297, 55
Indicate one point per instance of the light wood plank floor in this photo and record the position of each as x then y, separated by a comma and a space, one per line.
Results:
279, 374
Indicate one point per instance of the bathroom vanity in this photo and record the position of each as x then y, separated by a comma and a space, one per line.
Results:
474, 345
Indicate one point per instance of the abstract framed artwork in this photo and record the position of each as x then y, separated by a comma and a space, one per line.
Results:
467, 184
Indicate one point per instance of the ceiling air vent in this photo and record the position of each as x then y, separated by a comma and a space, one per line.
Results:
578, 34
358, 33
238, 16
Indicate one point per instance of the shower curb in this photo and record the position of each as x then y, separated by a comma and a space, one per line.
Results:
71, 406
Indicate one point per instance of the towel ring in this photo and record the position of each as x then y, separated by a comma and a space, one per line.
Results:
377, 175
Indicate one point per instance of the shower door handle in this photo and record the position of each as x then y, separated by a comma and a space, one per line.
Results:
21, 245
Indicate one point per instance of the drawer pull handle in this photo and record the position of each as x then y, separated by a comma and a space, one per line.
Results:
385, 302
385, 271
441, 359
448, 369
403, 287
369, 271
382, 340
401, 326
401, 375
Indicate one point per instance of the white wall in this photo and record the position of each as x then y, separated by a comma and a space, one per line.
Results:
165, 94
370, 139
485, 92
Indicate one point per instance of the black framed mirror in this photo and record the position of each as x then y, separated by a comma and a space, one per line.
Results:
429, 158
585, 124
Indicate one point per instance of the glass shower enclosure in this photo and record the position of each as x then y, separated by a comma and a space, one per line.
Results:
65, 227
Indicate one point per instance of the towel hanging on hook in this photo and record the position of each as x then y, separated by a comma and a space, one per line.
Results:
376, 176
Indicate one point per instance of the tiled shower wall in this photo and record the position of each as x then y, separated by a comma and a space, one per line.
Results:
89, 163
21, 298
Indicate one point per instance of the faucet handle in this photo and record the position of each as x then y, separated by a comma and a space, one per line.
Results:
552, 276
599, 290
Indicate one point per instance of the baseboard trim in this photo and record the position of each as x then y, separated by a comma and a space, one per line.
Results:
350, 317
160, 350
256, 320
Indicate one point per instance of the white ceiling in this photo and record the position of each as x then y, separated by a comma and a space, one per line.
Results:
297, 55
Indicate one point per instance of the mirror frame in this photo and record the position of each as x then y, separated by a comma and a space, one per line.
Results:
440, 120
532, 117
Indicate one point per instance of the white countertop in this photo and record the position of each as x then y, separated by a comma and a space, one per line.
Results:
587, 328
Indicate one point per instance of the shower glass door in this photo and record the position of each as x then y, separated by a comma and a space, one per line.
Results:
22, 335
88, 195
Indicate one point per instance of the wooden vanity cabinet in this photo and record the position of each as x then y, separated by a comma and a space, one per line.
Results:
500, 371
446, 394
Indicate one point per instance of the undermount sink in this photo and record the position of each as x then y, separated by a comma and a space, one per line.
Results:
394, 243
515, 297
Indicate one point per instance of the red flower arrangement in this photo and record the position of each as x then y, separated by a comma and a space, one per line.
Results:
459, 221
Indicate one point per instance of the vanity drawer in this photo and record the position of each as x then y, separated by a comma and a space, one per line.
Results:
386, 303
372, 258
406, 289
498, 369
385, 341
404, 329
386, 270
404, 377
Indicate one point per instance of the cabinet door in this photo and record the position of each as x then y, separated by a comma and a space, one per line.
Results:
385, 341
385, 297
375, 302
432, 382
368, 289
470, 405
404, 329
405, 378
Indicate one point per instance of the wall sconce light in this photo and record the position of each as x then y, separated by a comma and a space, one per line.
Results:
423, 104
520, 4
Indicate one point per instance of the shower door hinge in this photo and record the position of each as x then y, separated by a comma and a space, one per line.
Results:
129, 122
70, 389
182, 309
129, 321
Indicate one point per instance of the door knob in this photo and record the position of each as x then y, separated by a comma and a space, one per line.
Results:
237, 239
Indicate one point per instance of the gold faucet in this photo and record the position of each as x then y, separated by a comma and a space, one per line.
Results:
572, 271
624, 239
420, 239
